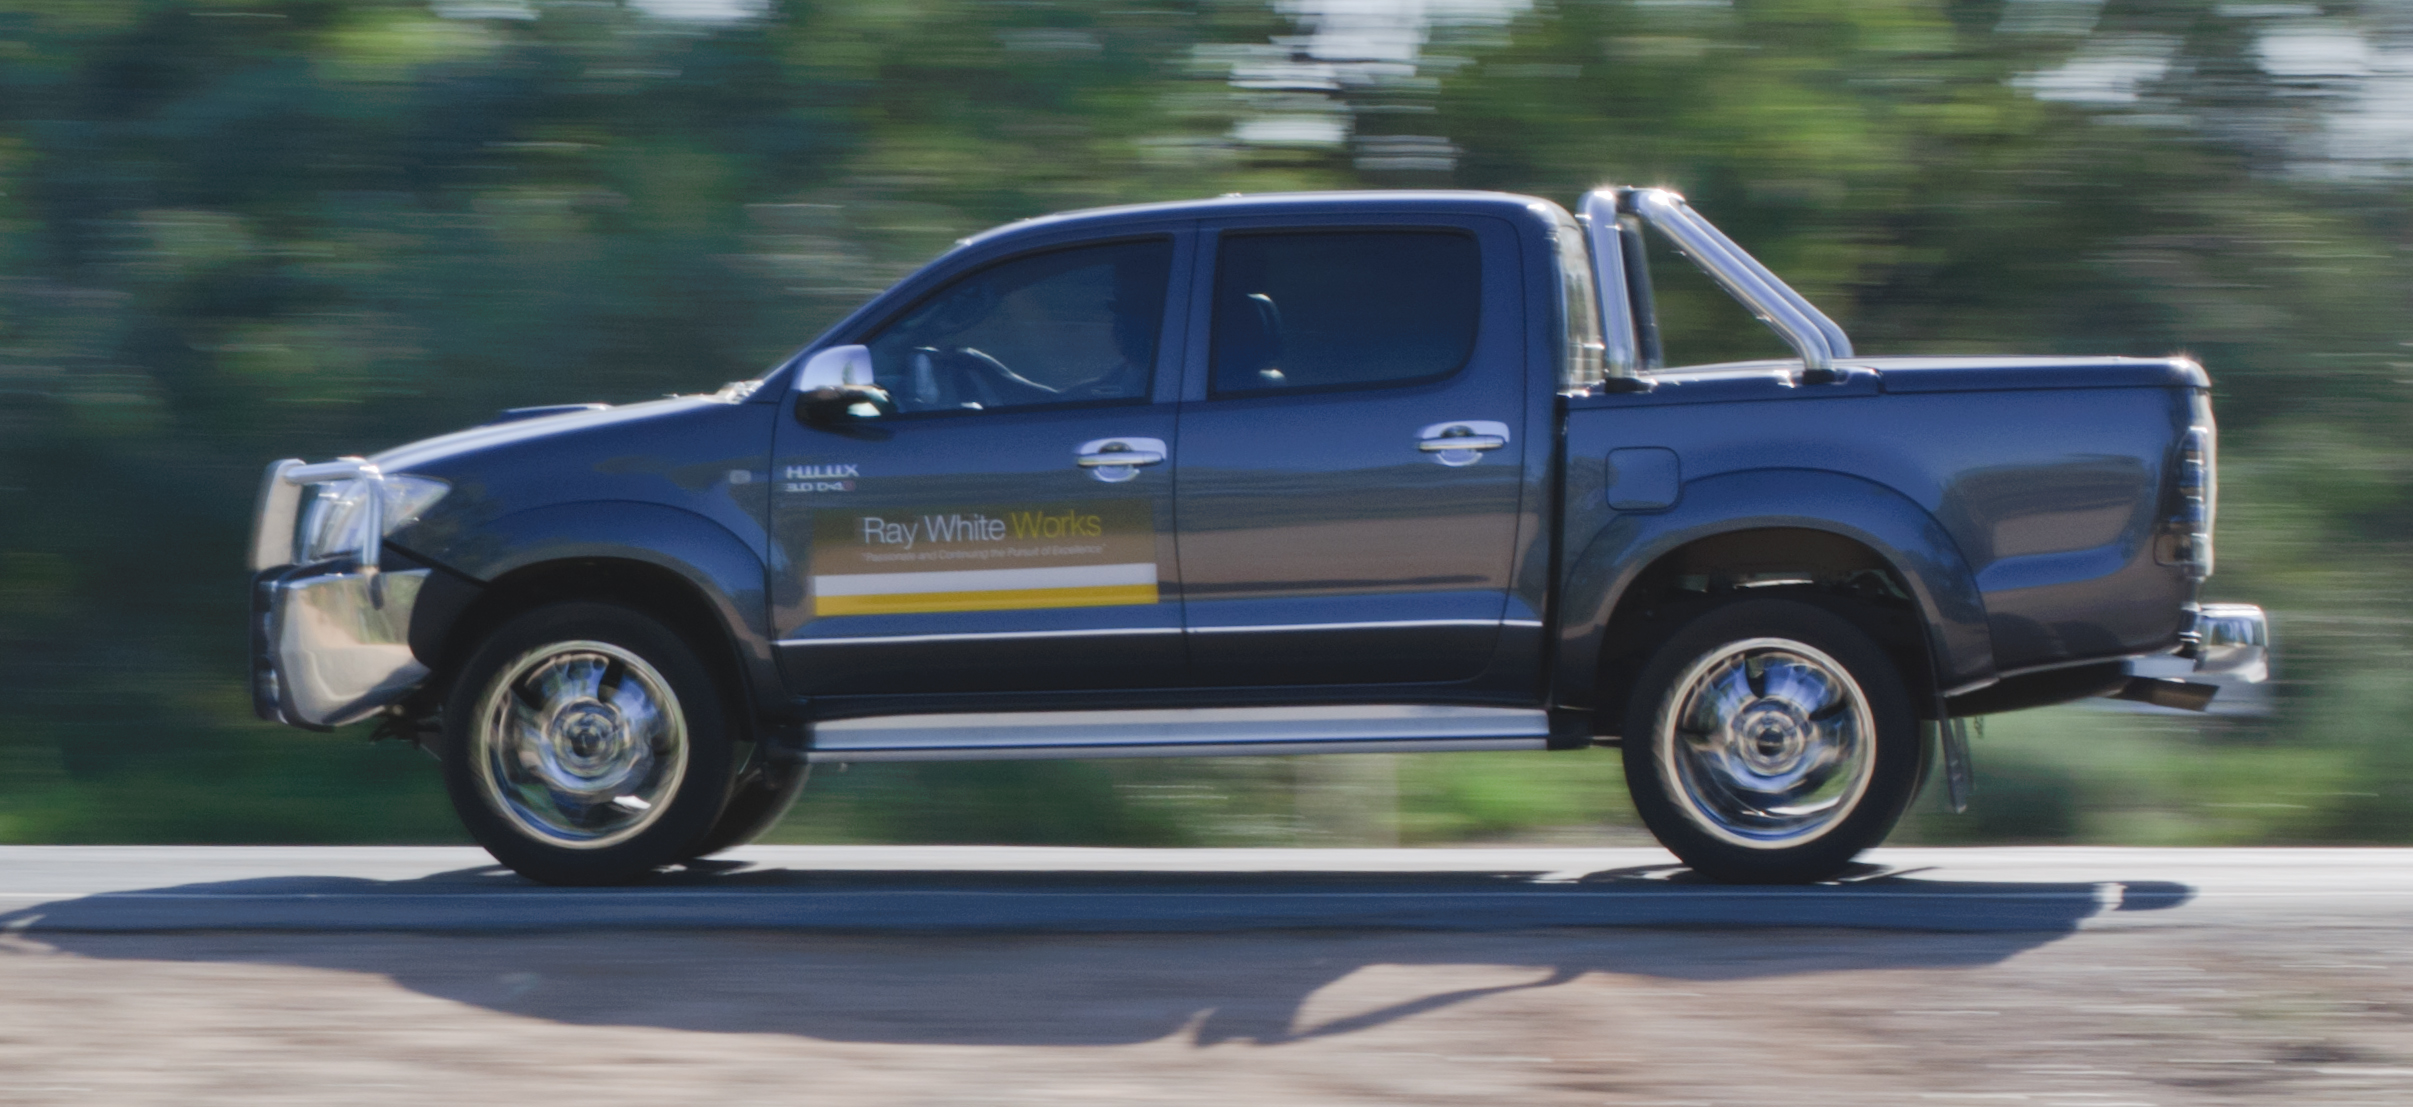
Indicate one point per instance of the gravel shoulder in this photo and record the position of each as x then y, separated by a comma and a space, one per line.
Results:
1797, 1016
2177, 978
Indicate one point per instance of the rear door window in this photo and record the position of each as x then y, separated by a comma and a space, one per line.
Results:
1344, 309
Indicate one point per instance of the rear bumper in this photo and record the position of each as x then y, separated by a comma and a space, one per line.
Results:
2220, 666
331, 645
2232, 640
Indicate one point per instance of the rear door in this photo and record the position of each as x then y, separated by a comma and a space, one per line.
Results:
1008, 526
1351, 452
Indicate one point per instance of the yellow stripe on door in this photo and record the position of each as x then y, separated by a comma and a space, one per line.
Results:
908, 603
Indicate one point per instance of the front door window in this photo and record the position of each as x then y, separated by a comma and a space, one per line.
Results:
1069, 326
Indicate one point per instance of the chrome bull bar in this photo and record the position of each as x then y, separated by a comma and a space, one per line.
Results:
330, 643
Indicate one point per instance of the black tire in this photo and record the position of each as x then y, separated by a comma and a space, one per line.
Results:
586, 743
762, 795
1810, 756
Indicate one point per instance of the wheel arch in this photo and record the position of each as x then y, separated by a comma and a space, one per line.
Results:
1625, 587
684, 569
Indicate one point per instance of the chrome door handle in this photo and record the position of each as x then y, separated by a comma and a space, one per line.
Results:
1115, 460
1462, 442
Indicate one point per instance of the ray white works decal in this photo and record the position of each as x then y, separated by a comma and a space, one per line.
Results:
991, 558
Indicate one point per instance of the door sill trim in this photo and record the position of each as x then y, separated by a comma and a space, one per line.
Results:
1179, 732
1389, 624
1212, 749
977, 636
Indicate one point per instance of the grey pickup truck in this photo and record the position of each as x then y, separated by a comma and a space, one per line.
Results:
1313, 473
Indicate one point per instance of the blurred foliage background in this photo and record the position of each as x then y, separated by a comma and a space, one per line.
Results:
235, 230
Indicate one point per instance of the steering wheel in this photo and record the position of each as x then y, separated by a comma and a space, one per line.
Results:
965, 376
1015, 387
825, 404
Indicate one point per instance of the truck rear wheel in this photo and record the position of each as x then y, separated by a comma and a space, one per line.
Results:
1770, 741
586, 743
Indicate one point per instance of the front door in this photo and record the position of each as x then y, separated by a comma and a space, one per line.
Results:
1350, 476
1007, 526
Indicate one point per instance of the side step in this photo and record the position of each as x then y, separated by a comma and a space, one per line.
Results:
1179, 732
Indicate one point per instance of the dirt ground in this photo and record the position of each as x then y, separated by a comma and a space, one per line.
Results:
1631, 1017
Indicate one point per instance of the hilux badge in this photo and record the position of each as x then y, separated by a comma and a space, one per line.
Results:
818, 478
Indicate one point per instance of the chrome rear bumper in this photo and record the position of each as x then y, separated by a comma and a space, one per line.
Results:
2233, 640
2224, 654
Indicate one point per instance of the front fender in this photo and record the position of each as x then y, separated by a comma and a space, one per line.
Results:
1893, 525
725, 571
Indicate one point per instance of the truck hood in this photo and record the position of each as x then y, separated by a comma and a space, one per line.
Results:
460, 444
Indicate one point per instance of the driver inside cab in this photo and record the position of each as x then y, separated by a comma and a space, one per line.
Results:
1066, 326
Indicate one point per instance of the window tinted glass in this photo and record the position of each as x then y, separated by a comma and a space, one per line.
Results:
1061, 327
1352, 308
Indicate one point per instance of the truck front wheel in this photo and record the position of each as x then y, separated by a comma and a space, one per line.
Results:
586, 743
1770, 741
760, 798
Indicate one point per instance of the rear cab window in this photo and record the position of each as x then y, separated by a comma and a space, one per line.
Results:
1330, 309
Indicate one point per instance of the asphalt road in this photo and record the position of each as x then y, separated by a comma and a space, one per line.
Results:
1014, 889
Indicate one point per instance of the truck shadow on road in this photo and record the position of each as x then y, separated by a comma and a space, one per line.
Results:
1032, 958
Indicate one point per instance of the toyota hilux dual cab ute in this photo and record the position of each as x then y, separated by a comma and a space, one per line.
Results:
1313, 473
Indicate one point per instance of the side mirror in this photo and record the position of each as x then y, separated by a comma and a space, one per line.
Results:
836, 384
836, 366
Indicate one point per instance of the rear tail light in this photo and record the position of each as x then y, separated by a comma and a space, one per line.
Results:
2187, 536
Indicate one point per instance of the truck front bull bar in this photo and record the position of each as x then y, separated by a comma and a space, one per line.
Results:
330, 643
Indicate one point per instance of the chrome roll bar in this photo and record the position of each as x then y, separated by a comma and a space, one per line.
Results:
1811, 334
1621, 346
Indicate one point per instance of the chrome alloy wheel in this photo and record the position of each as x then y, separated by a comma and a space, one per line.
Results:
580, 744
1767, 742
